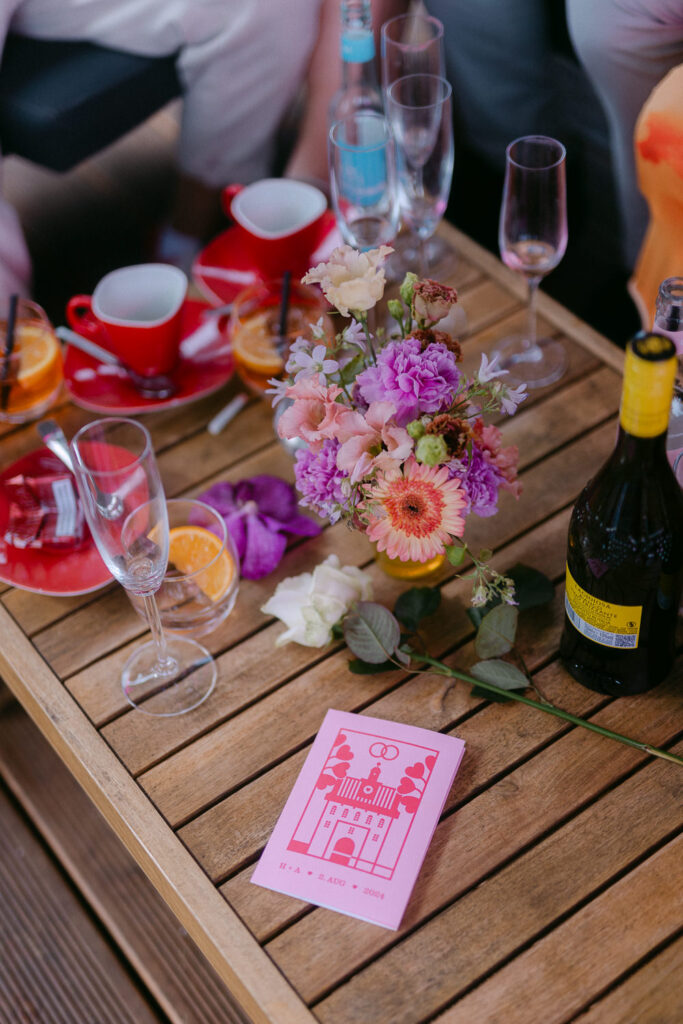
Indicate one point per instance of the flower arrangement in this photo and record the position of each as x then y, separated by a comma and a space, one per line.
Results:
395, 438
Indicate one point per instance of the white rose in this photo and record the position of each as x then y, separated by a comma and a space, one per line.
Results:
351, 280
312, 603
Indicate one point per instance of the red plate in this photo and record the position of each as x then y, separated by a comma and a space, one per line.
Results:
58, 573
223, 268
199, 371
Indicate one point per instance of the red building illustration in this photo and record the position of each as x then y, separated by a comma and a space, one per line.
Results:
362, 822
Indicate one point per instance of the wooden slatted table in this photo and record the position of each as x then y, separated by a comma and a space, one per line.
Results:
551, 889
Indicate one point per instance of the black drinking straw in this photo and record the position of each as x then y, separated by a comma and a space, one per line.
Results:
284, 309
9, 347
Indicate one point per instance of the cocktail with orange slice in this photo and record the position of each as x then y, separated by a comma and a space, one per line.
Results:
259, 351
31, 376
201, 581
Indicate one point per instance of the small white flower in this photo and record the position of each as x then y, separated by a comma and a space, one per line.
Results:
318, 330
489, 370
312, 603
510, 398
354, 334
278, 389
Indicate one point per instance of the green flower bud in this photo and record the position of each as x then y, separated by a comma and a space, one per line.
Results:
395, 307
406, 289
416, 429
431, 449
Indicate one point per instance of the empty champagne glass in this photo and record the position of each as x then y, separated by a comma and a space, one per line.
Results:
533, 238
125, 507
363, 180
419, 111
411, 44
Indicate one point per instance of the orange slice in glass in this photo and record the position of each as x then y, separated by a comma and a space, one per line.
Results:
38, 352
193, 547
254, 344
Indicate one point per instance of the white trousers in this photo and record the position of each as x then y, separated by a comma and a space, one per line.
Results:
240, 64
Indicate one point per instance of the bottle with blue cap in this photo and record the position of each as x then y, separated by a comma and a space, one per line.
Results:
359, 90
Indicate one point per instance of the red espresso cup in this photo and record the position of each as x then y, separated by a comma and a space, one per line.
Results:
137, 311
279, 220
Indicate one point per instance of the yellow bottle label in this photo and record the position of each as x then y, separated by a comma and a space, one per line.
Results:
612, 625
649, 374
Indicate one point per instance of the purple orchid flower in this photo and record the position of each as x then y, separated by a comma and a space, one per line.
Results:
259, 513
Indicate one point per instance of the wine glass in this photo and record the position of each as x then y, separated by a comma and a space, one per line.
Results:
419, 111
533, 237
363, 180
125, 507
411, 44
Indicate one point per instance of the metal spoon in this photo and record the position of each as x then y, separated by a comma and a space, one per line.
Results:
159, 387
109, 506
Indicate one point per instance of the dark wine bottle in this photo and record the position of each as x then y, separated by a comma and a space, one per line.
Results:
625, 545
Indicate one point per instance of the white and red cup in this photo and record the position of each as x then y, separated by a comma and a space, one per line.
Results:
280, 222
138, 311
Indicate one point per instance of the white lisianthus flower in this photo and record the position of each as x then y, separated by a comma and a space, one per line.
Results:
351, 280
312, 603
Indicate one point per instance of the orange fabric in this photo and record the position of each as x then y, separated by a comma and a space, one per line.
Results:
659, 162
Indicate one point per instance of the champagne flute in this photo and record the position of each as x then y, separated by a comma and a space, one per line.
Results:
114, 458
363, 180
533, 237
419, 111
411, 44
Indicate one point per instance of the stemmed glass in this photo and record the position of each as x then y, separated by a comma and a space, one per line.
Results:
411, 44
363, 180
419, 111
125, 507
533, 237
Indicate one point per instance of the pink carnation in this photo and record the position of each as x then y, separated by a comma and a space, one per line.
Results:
313, 414
504, 459
370, 441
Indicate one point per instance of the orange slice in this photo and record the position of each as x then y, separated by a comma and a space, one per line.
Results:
38, 351
254, 346
190, 548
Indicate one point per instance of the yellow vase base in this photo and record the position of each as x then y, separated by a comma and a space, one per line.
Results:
409, 570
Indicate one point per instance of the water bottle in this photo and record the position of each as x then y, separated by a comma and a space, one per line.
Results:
359, 89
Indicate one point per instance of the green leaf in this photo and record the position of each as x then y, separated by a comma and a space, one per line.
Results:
496, 634
456, 554
477, 615
532, 588
371, 632
416, 604
500, 673
364, 668
348, 374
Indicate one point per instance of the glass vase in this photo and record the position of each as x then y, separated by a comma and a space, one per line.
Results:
409, 571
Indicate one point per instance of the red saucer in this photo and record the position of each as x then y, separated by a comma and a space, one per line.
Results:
234, 268
57, 573
199, 371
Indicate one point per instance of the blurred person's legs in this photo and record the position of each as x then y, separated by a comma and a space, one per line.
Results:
626, 47
240, 63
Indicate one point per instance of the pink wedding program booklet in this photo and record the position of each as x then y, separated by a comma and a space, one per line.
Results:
361, 814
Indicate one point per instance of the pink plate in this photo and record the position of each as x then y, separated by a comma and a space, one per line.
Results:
223, 268
201, 369
60, 574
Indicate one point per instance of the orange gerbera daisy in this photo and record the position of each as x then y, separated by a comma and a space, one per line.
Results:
415, 512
